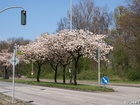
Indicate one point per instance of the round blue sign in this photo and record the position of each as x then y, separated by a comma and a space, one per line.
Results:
105, 80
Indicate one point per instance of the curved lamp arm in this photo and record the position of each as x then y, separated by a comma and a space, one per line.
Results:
10, 8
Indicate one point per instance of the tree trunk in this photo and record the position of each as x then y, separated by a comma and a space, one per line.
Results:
55, 75
64, 68
6, 76
75, 72
38, 74
70, 73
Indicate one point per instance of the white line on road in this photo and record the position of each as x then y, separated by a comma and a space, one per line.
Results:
73, 98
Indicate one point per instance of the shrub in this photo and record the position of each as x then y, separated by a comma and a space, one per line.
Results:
134, 75
87, 75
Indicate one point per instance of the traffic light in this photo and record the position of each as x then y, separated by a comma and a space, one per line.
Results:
96, 54
23, 17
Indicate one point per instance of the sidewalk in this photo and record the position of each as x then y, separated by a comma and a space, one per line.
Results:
110, 84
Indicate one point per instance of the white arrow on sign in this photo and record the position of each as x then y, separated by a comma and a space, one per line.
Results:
12, 60
105, 80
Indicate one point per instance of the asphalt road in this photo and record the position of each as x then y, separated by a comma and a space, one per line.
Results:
38, 95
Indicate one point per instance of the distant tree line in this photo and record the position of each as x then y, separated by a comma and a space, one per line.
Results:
6, 53
122, 26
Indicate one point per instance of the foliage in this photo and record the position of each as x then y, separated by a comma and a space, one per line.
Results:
120, 61
126, 43
6, 48
134, 75
58, 49
87, 16
88, 75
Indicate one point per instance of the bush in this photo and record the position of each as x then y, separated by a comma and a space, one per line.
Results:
134, 75
87, 75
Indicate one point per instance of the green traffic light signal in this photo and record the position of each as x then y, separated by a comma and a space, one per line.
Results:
23, 17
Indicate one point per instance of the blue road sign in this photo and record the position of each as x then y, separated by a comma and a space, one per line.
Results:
105, 80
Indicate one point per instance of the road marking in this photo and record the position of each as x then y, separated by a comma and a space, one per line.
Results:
73, 98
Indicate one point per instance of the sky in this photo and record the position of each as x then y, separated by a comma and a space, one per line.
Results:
42, 16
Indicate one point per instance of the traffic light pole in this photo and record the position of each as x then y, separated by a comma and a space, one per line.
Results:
10, 8
13, 84
23, 22
23, 13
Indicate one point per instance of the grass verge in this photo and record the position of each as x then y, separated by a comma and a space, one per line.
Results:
6, 100
79, 87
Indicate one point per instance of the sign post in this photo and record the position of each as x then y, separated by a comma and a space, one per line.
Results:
98, 60
99, 81
14, 61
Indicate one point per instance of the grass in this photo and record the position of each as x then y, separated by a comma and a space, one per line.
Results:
79, 87
6, 100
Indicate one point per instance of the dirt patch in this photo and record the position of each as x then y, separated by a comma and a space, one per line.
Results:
6, 100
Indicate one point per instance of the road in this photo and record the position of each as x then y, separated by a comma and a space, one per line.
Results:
39, 95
